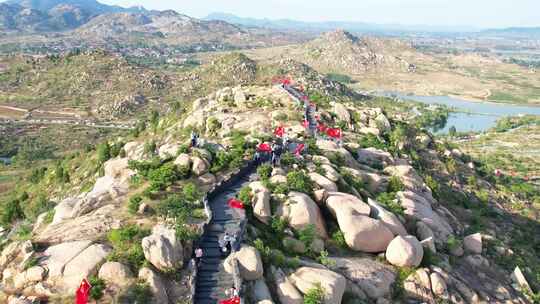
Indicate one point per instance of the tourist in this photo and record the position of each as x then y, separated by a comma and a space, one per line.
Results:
198, 255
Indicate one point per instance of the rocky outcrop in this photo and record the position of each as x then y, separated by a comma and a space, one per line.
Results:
333, 284
163, 249
342, 112
301, 211
261, 204
199, 166
405, 251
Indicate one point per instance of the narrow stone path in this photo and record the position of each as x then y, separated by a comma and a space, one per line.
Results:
310, 110
212, 280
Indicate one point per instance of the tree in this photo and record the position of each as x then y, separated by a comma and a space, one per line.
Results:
452, 131
103, 152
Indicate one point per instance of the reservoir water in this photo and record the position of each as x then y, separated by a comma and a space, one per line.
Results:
470, 115
5, 160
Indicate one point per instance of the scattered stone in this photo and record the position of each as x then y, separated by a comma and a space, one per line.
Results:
323, 182
286, 291
183, 160
200, 166
519, 278
438, 285
473, 243
301, 211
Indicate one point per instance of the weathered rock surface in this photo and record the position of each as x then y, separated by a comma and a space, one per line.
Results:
374, 157
333, 284
163, 249
374, 278
249, 263
286, 291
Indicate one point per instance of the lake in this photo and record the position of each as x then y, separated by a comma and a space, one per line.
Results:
5, 160
479, 116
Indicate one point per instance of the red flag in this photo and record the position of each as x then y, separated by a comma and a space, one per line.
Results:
82, 293
236, 204
306, 123
264, 147
322, 128
279, 131
299, 149
234, 300
334, 133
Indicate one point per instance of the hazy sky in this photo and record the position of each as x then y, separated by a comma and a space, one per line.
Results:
478, 13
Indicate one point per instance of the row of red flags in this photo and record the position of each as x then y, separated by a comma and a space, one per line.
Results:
330, 132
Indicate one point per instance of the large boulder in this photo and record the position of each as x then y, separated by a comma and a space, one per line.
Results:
328, 146
118, 169
342, 112
419, 208
344, 204
183, 160
374, 157
115, 273
156, 284
361, 232
373, 182
374, 278
286, 291
323, 182
249, 263
405, 251
301, 211
261, 206
417, 286
473, 243
163, 249
168, 150
199, 166
333, 284
388, 218
83, 265
382, 123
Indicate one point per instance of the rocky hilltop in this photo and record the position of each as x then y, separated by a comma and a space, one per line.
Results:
342, 52
388, 216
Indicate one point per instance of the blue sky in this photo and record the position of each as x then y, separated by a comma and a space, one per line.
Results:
478, 13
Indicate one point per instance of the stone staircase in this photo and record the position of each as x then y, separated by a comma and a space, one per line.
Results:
301, 98
212, 280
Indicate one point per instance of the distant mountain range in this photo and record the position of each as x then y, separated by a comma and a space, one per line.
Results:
359, 27
53, 15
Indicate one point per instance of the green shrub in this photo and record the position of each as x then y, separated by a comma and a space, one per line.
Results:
191, 193
264, 171
98, 286
49, 216
307, 234
11, 211
37, 175
339, 239
453, 243
164, 176
126, 243
323, 259
388, 200
149, 148
103, 151
138, 293
315, 295
353, 181
395, 185
212, 125
372, 141
399, 290
183, 149
134, 203
299, 181
245, 195
37, 206
279, 225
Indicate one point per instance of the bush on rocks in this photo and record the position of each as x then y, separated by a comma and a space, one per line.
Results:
127, 249
299, 181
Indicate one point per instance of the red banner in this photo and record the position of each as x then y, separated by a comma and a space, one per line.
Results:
322, 128
235, 203
279, 131
305, 123
264, 147
82, 293
235, 300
